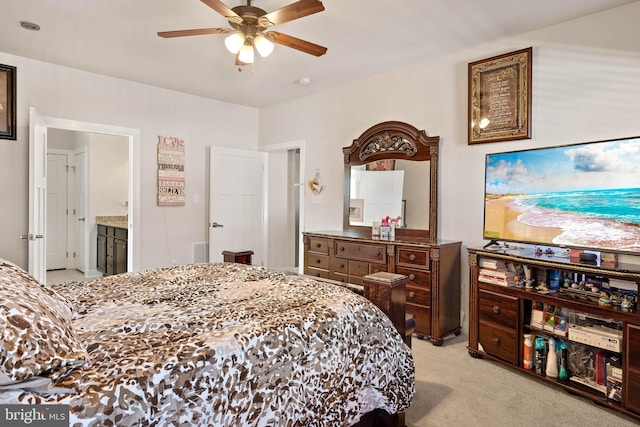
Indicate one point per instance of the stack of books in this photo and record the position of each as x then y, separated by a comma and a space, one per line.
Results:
495, 272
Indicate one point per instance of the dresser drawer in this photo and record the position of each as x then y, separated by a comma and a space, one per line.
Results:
499, 342
363, 252
418, 295
358, 268
377, 268
422, 315
316, 272
319, 245
500, 309
339, 277
340, 265
413, 257
317, 261
416, 277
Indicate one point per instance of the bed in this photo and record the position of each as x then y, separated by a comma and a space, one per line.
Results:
213, 344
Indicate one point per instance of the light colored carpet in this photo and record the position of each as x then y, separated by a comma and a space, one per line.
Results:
455, 389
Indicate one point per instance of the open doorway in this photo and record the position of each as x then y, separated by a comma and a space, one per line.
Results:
38, 136
285, 206
80, 164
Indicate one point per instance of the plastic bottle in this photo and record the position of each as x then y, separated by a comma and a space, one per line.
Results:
539, 356
527, 353
563, 374
552, 360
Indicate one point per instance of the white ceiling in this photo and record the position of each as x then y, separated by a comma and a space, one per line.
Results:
363, 37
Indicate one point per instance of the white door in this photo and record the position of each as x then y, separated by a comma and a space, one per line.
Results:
37, 195
236, 202
80, 210
57, 170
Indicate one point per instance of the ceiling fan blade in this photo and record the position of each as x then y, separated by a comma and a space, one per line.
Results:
296, 43
194, 32
289, 13
223, 10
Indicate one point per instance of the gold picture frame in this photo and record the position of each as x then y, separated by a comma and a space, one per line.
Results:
500, 98
7, 102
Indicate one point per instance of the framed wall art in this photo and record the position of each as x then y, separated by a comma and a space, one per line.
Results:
7, 102
500, 98
170, 171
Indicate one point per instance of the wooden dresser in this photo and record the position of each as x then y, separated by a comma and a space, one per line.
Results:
433, 269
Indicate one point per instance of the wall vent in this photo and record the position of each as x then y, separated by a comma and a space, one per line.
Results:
201, 252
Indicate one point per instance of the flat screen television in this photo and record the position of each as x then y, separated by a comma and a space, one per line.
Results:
584, 196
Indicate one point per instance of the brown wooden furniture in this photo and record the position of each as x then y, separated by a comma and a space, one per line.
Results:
111, 250
387, 291
239, 256
433, 271
432, 266
500, 315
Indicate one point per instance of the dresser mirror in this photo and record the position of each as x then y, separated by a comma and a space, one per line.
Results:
391, 170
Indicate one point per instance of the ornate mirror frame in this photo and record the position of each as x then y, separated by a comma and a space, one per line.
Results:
394, 140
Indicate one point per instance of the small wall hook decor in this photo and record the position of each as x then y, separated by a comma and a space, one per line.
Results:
314, 183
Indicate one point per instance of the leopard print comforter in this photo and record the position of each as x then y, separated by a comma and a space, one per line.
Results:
226, 344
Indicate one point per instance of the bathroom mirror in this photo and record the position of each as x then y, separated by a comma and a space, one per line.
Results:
391, 170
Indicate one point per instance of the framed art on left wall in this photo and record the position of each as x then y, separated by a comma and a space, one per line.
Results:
7, 102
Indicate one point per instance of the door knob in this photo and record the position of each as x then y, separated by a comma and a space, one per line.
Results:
215, 225
80, 219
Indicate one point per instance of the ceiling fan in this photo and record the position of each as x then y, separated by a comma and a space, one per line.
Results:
248, 29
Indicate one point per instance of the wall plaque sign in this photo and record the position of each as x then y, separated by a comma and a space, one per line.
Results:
500, 98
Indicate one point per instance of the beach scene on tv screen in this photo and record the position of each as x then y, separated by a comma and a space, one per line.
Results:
583, 195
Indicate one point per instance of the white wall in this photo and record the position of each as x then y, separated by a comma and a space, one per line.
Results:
166, 233
586, 87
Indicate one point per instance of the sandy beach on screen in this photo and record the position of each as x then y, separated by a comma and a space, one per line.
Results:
502, 221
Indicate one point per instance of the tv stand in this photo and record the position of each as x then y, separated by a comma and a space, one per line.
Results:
501, 314
493, 242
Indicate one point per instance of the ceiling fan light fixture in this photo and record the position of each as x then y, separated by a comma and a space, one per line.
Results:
246, 54
263, 45
234, 42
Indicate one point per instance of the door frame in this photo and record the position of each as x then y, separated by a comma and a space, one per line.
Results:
286, 146
133, 135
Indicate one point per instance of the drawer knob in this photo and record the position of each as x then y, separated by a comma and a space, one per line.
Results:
496, 309
496, 341
342, 265
378, 253
412, 294
412, 257
317, 274
318, 245
341, 248
412, 276
318, 261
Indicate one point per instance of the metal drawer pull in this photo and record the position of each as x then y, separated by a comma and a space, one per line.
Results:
496, 309
496, 341
412, 276
412, 294
412, 257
